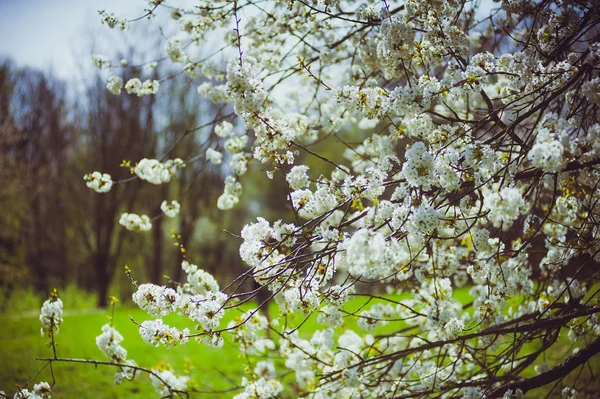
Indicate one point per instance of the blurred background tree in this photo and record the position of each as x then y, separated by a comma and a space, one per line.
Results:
54, 231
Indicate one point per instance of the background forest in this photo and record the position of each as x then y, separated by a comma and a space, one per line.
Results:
55, 232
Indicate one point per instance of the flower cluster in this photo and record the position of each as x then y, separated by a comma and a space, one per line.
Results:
231, 194
114, 84
51, 316
109, 343
156, 172
136, 86
99, 182
171, 210
40, 391
155, 332
134, 222
199, 299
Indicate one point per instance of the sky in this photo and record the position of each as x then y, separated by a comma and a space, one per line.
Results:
53, 34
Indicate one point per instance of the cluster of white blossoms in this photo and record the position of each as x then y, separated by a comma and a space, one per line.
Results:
297, 177
199, 299
504, 205
249, 336
113, 21
39, 391
548, 151
257, 252
109, 343
51, 316
156, 172
198, 281
135, 222
260, 389
136, 86
155, 332
418, 170
101, 61
170, 209
224, 129
99, 182
214, 156
156, 300
114, 84
451, 200
231, 194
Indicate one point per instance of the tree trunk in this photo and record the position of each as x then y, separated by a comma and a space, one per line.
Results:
157, 246
102, 280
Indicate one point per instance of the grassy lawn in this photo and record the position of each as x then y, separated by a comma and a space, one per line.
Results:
210, 369
22, 343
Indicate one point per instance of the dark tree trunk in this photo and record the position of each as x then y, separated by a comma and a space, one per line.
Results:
157, 246
102, 280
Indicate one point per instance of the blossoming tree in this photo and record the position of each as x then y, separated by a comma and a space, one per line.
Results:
451, 251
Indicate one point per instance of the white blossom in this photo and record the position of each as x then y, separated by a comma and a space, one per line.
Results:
170, 209
51, 316
99, 182
214, 156
114, 84
134, 222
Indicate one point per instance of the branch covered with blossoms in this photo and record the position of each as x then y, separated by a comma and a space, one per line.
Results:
448, 246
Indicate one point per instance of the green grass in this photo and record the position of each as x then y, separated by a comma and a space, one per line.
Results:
211, 369
22, 343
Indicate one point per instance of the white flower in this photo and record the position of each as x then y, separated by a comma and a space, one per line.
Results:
156, 300
205, 309
171, 210
472, 393
198, 280
419, 166
157, 172
214, 156
227, 201
547, 155
114, 84
134, 222
297, 177
260, 389
112, 21
505, 206
424, 219
236, 144
224, 129
174, 50
51, 316
453, 328
231, 194
109, 343
149, 87
101, 61
239, 163
136, 86
40, 391
133, 85
155, 332
99, 182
